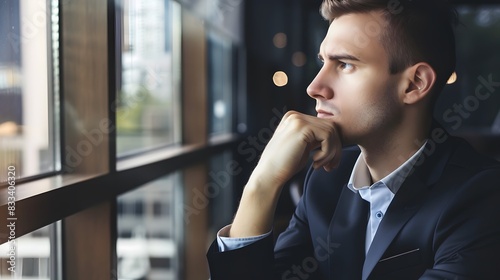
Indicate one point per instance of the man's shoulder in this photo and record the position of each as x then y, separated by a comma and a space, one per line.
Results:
467, 171
464, 155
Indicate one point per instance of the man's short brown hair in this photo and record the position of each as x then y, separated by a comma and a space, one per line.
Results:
416, 31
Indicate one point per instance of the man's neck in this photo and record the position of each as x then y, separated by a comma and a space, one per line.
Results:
386, 156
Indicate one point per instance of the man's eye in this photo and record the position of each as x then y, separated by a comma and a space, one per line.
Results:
346, 66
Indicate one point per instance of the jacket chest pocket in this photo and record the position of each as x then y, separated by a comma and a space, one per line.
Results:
405, 263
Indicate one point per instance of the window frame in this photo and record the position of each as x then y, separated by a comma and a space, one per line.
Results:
84, 197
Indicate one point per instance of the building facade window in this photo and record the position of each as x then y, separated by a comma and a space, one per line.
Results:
28, 132
148, 243
147, 109
32, 256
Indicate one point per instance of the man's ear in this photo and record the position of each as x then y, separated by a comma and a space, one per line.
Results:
419, 80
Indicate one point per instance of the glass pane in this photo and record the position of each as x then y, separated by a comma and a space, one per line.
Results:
222, 171
27, 257
472, 102
150, 230
26, 108
147, 109
220, 73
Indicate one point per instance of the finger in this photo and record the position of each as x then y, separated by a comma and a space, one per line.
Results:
327, 151
324, 158
330, 147
334, 163
329, 162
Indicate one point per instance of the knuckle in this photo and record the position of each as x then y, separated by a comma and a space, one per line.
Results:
289, 113
295, 121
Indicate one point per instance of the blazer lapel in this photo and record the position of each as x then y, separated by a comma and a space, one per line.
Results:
407, 201
398, 213
347, 234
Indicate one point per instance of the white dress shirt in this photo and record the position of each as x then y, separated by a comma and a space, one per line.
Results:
379, 195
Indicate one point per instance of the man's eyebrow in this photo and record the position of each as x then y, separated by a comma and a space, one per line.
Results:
339, 57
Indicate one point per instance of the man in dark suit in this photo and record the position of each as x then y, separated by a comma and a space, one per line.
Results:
405, 200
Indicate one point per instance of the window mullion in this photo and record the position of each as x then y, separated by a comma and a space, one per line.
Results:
87, 235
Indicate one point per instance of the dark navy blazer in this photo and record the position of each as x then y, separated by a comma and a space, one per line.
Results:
444, 223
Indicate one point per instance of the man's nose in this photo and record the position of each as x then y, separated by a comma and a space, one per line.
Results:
320, 87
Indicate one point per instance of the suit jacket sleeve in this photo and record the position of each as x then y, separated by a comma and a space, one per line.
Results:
467, 236
258, 260
250, 262
294, 247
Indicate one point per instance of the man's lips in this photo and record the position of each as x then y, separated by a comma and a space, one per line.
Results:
324, 114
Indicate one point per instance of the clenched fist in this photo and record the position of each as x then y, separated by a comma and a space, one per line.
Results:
287, 152
295, 138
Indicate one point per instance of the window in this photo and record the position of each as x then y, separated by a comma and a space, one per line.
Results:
221, 174
148, 98
221, 86
32, 256
96, 170
148, 241
27, 99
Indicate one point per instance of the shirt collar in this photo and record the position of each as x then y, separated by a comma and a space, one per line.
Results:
361, 178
